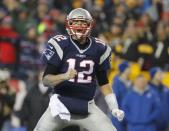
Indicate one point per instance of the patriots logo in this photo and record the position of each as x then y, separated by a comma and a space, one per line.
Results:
48, 53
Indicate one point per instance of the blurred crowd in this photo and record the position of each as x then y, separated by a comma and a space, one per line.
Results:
144, 101
136, 30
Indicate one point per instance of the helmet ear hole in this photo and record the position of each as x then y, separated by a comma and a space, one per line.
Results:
70, 23
88, 23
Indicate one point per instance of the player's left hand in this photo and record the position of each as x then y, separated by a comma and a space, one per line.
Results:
119, 114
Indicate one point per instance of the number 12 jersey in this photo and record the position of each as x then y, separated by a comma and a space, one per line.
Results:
63, 53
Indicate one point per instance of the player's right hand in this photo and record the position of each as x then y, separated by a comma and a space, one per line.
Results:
70, 74
119, 114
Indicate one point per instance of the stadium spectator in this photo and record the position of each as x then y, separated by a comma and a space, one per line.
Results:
22, 20
35, 103
8, 43
121, 86
163, 93
148, 25
121, 81
144, 46
7, 98
116, 35
3, 13
11, 6
64, 6
29, 55
141, 106
130, 42
41, 10
161, 54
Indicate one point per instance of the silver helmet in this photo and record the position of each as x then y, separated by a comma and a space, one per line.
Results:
79, 23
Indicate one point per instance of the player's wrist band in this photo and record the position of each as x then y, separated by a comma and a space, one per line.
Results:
111, 101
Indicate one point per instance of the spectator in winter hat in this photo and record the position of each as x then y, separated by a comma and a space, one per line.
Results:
141, 106
120, 87
156, 85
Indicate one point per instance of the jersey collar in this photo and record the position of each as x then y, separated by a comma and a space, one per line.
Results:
81, 50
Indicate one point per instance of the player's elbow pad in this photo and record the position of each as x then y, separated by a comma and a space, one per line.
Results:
111, 101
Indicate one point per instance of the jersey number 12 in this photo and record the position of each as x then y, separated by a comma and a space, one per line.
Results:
85, 75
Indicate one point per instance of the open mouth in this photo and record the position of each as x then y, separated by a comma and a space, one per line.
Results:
79, 31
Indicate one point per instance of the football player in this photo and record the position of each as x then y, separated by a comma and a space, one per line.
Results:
75, 64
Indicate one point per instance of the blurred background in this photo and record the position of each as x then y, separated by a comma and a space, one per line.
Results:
136, 30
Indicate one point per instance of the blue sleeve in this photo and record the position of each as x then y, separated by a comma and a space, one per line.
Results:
126, 107
154, 115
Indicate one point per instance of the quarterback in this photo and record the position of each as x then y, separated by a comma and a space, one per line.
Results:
75, 65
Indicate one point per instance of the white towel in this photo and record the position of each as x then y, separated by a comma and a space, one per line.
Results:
58, 108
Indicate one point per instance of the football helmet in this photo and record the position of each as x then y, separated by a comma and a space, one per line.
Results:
79, 23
